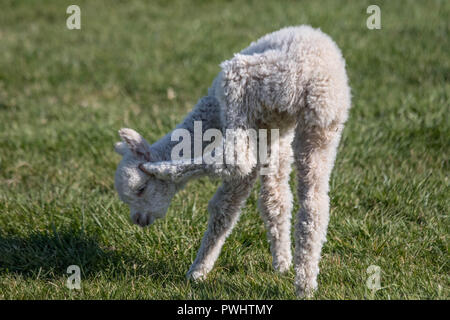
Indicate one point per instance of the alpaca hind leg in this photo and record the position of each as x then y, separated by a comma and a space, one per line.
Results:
315, 152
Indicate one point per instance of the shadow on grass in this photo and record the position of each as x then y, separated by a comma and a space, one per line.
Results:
48, 254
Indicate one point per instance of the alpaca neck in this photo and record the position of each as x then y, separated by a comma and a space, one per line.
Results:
207, 111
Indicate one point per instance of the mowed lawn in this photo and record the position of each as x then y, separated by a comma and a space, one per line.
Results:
143, 64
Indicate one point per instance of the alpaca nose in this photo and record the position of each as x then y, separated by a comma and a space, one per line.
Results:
142, 219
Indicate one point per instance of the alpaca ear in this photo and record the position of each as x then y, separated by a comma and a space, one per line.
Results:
174, 171
165, 170
134, 141
154, 169
121, 148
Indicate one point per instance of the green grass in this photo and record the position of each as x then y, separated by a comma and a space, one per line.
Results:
64, 94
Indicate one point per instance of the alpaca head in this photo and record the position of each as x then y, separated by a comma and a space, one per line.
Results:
147, 196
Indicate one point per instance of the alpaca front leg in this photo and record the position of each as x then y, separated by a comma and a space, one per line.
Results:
224, 209
275, 204
315, 153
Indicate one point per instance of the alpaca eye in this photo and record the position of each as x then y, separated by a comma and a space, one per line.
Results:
141, 190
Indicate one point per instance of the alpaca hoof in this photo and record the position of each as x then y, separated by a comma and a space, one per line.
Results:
305, 286
196, 276
305, 292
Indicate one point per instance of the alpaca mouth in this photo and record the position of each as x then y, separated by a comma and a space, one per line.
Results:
142, 219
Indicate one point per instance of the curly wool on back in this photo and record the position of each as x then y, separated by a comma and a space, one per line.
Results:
293, 80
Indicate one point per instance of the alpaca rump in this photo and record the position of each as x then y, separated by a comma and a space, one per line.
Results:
292, 80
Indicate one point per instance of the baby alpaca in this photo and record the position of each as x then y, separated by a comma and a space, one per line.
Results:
293, 80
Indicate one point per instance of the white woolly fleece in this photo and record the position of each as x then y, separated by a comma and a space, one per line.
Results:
293, 80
